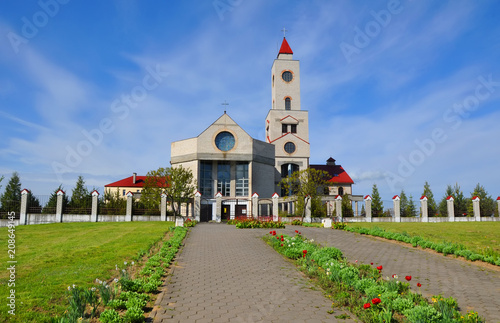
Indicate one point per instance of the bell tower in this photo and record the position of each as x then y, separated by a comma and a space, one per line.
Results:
287, 126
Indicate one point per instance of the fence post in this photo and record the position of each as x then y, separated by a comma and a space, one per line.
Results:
59, 206
130, 201
424, 208
255, 205
498, 202
218, 207
23, 214
163, 207
338, 207
368, 208
397, 208
451, 208
95, 203
307, 210
275, 207
476, 208
197, 206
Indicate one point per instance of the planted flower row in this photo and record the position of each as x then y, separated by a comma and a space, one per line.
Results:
251, 223
446, 248
361, 287
123, 299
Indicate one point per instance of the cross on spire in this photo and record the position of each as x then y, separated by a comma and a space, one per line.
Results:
225, 104
284, 30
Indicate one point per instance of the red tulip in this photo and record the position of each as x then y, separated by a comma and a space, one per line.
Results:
371, 263
296, 231
380, 267
408, 278
367, 305
282, 239
282, 245
270, 232
419, 285
376, 301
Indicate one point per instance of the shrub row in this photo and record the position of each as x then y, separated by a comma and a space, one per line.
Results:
446, 248
361, 287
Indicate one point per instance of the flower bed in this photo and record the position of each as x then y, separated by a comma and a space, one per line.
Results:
361, 288
446, 248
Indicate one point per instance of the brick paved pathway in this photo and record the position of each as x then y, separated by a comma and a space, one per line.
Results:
474, 287
224, 274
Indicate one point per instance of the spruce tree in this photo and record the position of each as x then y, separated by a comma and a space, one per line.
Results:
50, 206
11, 198
486, 203
80, 196
377, 205
411, 208
403, 204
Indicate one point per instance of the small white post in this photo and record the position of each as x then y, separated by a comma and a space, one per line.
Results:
255, 205
451, 208
276, 207
23, 214
424, 208
163, 207
476, 208
130, 201
59, 206
368, 208
397, 208
95, 202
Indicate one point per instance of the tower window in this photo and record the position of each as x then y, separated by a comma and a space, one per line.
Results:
293, 128
288, 104
290, 147
284, 128
287, 76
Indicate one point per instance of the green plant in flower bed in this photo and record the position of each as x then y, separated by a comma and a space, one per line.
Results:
253, 223
362, 288
297, 222
313, 225
444, 247
190, 223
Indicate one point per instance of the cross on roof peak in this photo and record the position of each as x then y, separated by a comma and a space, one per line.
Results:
284, 30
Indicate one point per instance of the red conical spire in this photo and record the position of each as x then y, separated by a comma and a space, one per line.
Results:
285, 48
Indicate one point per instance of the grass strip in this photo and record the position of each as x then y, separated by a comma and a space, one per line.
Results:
51, 257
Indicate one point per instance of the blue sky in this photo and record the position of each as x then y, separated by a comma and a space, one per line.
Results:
398, 92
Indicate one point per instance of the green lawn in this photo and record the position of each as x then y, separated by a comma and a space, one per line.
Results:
50, 257
479, 237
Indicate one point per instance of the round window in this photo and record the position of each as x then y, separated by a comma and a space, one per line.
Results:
287, 76
225, 141
290, 147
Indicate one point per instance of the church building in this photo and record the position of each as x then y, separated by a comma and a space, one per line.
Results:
229, 163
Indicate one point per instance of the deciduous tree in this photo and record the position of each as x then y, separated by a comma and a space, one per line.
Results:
307, 182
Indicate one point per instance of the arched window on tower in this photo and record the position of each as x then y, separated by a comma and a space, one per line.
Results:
341, 191
288, 104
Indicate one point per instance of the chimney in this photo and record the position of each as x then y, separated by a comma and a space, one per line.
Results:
134, 178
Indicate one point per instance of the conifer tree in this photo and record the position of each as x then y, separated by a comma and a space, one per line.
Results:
80, 196
403, 204
377, 205
411, 208
460, 202
486, 203
347, 206
11, 198
50, 206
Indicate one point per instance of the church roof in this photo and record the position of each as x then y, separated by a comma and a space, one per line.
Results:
337, 173
285, 48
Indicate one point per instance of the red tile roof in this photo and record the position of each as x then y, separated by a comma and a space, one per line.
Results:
285, 48
128, 182
337, 173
